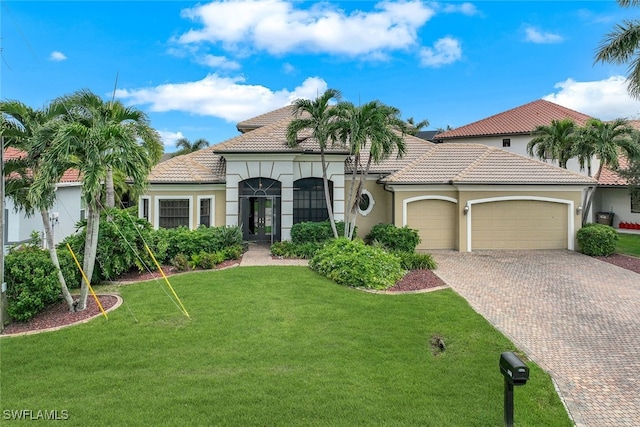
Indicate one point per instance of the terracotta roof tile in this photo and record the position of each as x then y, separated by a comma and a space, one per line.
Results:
610, 178
463, 163
203, 166
519, 120
265, 119
70, 176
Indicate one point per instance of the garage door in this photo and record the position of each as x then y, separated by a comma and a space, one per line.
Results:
519, 224
435, 221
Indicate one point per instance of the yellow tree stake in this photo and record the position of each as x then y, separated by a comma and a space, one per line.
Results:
84, 276
184, 310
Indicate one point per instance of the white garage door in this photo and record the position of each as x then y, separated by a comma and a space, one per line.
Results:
435, 221
519, 224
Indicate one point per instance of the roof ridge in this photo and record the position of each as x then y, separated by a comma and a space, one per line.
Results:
471, 165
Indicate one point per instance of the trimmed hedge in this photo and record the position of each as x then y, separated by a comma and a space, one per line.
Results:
305, 232
352, 263
597, 239
394, 239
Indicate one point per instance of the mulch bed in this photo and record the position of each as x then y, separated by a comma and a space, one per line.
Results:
624, 261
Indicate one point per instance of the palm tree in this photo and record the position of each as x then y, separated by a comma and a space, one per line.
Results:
606, 141
554, 141
30, 131
318, 116
621, 46
185, 146
413, 128
97, 137
377, 126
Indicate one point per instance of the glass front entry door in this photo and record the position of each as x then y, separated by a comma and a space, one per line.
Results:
259, 218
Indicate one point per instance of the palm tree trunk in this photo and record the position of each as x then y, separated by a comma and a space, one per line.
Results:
48, 234
352, 200
590, 193
110, 190
327, 195
90, 250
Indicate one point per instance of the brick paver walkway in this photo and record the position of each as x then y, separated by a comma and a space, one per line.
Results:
576, 317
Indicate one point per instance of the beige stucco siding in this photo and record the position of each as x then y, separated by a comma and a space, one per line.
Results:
435, 221
519, 224
381, 211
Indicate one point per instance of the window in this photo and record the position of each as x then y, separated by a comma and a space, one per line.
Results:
205, 212
366, 203
308, 200
635, 200
144, 209
506, 142
83, 209
173, 213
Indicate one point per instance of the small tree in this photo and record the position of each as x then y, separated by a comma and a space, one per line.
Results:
554, 141
185, 146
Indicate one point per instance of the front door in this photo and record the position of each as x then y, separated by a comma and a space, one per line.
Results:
259, 218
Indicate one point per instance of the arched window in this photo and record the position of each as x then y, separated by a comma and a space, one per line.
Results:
308, 200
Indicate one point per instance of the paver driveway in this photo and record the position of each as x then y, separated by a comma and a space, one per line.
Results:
577, 317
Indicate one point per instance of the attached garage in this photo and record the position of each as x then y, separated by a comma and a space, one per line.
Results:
435, 220
519, 224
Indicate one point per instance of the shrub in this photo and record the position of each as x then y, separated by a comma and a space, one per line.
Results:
210, 260
416, 261
597, 239
167, 243
30, 285
393, 238
234, 251
288, 249
305, 232
180, 262
352, 263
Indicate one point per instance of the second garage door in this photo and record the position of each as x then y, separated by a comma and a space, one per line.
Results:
519, 224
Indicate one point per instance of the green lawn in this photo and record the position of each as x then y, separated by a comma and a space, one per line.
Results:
273, 346
629, 244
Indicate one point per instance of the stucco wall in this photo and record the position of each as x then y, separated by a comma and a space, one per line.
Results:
618, 201
382, 210
191, 192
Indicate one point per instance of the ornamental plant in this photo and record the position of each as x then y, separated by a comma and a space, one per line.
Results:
597, 239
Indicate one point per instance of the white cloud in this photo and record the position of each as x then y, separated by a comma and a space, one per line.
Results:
277, 26
228, 98
288, 68
57, 56
445, 51
169, 139
221, 62
466, 8
604, 99
534, 35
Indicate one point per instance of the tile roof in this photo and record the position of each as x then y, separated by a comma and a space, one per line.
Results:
610, 178
414, 148
202, 166
70, 176
265, 119
465, 163
520, 120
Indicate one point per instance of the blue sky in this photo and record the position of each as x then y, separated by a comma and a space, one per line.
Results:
198, 68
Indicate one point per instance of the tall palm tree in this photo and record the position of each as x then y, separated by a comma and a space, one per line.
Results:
98, 136
185, 146
30, 131
606, 141
373, 125
412, 128
318, 116
621, 46
554, 141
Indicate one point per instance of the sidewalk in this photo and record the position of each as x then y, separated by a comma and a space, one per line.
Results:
259, 254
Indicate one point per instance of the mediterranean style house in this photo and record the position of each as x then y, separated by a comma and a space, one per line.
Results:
466, 194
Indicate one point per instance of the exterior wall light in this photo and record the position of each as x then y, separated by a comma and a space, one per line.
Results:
466, 209
579, 210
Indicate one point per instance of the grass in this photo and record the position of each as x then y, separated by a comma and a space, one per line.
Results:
629, 244
273, 346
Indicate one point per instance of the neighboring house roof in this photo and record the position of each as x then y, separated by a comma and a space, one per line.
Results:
265, 119
517, 121
70, 176
427, 134
202, 166
464, 163
610, 178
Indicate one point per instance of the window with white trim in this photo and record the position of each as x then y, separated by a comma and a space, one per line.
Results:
173, 213
205, 212
366, 202
144, 209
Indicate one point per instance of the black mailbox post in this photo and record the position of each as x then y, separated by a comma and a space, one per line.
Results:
515, 372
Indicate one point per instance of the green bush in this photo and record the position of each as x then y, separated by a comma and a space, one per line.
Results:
209, 261
181, 262
31, 286
393, 238
352, 263
416, 261
288, 249
167, 243
234, 251
597, 239
317, 232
